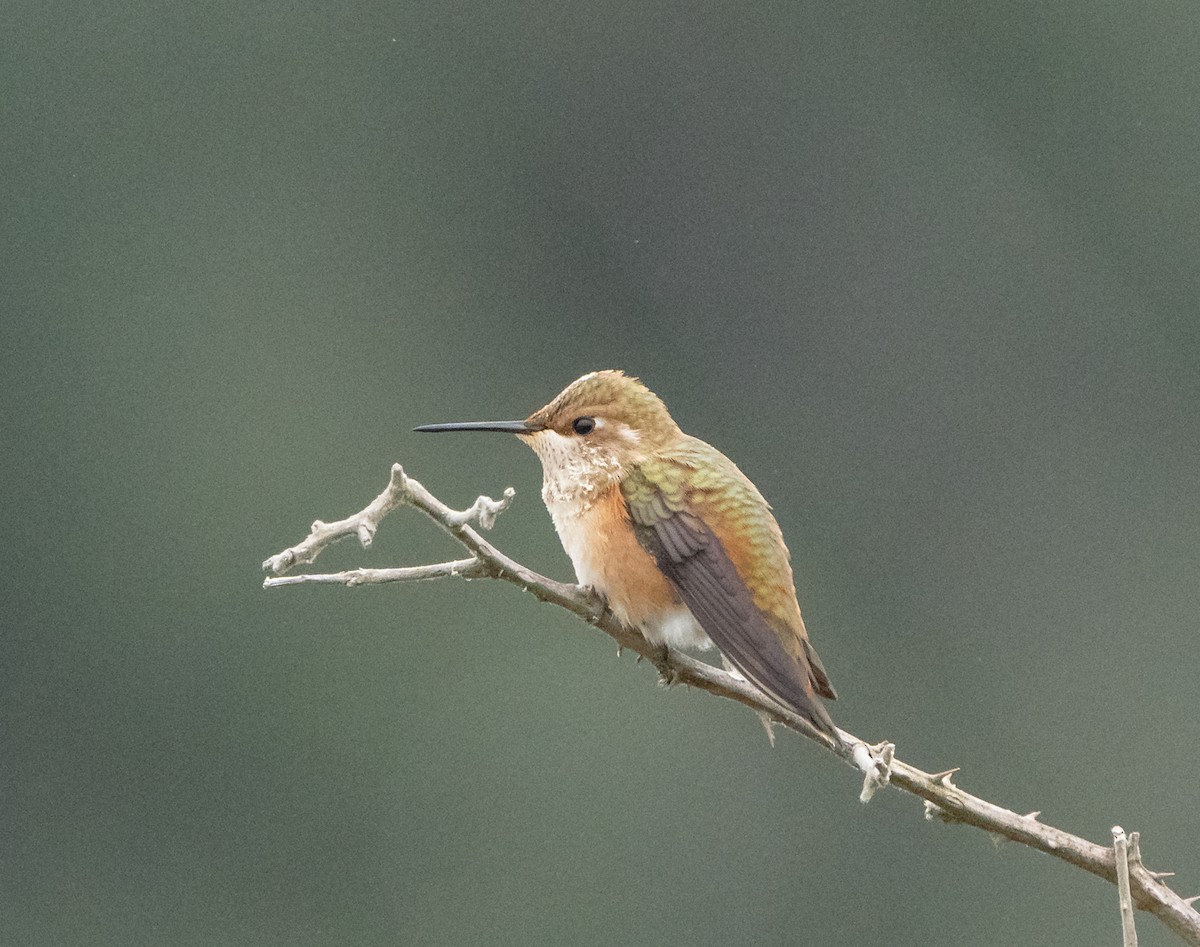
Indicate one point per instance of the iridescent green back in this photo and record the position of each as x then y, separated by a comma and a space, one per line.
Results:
692, 476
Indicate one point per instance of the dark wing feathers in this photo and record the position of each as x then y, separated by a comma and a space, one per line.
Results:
820, 677
681, 534
694, 561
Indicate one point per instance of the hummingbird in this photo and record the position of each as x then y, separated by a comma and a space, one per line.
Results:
671, 534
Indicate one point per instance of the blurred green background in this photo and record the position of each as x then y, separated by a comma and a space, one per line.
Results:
929, 272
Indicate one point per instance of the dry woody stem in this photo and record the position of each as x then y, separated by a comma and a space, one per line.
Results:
1124, 890
944, 800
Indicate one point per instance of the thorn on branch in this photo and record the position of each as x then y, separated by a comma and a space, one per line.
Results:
934, 811
945, 777
768, 723
1135, 858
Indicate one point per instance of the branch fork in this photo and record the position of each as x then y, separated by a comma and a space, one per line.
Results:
944, 800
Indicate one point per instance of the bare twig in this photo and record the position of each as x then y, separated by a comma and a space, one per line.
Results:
944, 800
459, 568
362, 524
1124, 895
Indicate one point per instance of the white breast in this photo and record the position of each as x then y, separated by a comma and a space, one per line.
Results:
569, 522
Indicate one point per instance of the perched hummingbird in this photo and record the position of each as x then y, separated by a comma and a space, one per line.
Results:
677, 540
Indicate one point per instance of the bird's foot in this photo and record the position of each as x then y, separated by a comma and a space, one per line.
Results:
660, 657
603, 611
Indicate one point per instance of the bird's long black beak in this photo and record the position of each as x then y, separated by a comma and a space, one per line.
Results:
503, 427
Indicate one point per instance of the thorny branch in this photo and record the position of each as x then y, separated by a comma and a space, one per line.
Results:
944, 800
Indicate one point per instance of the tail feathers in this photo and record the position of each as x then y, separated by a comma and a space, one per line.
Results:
812, 710
820, 680
796, 698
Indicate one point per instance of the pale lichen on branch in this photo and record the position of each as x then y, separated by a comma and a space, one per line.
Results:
944, 800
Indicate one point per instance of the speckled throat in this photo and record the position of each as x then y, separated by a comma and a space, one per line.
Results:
575, 474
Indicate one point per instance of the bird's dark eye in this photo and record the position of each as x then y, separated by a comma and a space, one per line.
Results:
583, 425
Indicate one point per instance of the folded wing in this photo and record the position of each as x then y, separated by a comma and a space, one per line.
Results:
692, 557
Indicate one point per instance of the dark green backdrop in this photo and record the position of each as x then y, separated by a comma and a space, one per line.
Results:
929, 272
